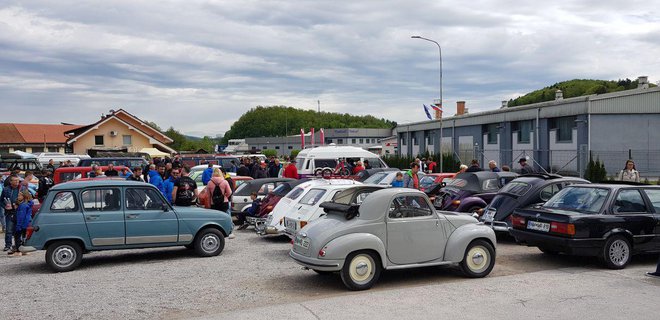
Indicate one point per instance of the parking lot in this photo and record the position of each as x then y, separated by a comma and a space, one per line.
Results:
251, 273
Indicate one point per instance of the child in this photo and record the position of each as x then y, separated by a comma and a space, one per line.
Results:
23, 219
398, 181
252, 211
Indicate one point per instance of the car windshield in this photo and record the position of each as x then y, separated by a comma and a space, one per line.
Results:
312, 197
581, 199
376, 178
299, 163
516, 188
426, 181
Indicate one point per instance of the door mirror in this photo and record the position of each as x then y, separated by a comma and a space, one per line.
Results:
165, 207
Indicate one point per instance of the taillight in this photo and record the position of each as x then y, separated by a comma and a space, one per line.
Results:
302, 224
322, 252
456, 202
29, 232
565, 228
518, 221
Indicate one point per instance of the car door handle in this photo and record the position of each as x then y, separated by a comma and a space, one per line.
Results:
92, 217
437, 223
132, 216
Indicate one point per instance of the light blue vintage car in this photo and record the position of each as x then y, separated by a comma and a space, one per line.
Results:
393, 228
110, 214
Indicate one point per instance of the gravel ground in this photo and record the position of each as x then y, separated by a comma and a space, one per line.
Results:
173, 283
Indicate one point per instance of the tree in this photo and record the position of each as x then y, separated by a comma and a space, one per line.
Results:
595, 171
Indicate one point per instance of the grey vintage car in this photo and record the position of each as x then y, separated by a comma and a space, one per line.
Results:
393, 228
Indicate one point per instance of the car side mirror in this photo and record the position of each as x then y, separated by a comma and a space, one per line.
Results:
165, 207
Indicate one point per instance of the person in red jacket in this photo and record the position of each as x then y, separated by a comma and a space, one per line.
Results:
358, 167
291, 171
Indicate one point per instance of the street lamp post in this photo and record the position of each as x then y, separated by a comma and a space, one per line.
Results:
440, 55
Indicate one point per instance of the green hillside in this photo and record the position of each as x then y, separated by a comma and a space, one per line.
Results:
574, 88
281, 120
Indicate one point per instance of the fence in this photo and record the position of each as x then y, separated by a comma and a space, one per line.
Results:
566, 162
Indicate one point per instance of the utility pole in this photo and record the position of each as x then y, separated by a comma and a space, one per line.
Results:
318, 102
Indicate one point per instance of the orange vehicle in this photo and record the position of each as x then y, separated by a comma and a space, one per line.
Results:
64, 174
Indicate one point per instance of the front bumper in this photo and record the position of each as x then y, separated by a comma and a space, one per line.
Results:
578, 247
315, 263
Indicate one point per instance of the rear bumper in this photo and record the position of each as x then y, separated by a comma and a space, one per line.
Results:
579, 247
27, 249
315, 263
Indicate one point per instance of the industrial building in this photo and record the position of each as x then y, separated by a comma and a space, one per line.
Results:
558, 135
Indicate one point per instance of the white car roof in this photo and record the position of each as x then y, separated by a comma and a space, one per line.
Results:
336, 186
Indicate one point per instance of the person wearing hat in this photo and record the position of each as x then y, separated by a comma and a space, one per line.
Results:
524, 167
291, 171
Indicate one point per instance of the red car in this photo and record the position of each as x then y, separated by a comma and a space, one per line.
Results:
64, 174
269, 202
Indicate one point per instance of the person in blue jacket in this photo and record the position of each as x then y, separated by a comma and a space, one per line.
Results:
169, 184
207, 174
398, 180
156, 179
23, 219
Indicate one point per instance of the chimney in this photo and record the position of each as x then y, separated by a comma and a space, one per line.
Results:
504, 104
559, 95
460, 108
642, 82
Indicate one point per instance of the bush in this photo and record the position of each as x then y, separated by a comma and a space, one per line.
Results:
294, 153
595, 171
269, 153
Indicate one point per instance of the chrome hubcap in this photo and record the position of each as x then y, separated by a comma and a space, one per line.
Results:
619, 252
478, 259
64, 256
362, 269
210, 242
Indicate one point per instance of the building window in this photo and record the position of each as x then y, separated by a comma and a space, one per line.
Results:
264, 148
415, 141
53, 149
564, 127
491, 131
127, 139
524, 129
98, 140
353, 141
340, 141
277, 147
362, 141
37, 149
290, 147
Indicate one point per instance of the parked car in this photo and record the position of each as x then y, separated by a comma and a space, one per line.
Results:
109, 214
393, 228
365, 174
270, 201
608, 221
308, 208
57, 157
130, 162
522, 192
275, 220
241, 198
432, 183
12, 161
316, 161
385, 178
65, 174
471, 191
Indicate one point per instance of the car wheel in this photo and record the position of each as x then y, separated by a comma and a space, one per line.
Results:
327, 173
616, 252
479, 259
318, 172
548, 251
323, 273
209, 242
64, 256
361, 270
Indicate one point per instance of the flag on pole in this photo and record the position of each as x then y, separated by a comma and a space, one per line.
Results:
302, 139
311, 137
322, 136
426, 109
437, 107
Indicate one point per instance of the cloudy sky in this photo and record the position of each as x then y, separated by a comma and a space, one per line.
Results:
199, 65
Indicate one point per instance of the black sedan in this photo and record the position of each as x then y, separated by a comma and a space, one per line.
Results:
522, 192
611, 222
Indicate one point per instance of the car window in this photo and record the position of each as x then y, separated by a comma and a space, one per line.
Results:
312, 197
374, 162
325, 163
143, 199
628, 201
265, 188
376, 178
64, 201
426, 181
654, 196
549, 191
295, 193
101, 200
582, 199
456, 183
517, 188
409, 207
490, 185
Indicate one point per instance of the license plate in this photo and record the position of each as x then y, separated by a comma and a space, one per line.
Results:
301, 242
290, 224
540, 226
488, 216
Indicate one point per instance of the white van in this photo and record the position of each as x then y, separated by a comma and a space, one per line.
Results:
314, 161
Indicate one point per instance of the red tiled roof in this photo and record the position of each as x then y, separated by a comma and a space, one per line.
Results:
34, 133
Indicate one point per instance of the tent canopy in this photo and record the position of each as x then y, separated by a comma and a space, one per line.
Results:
153, 152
